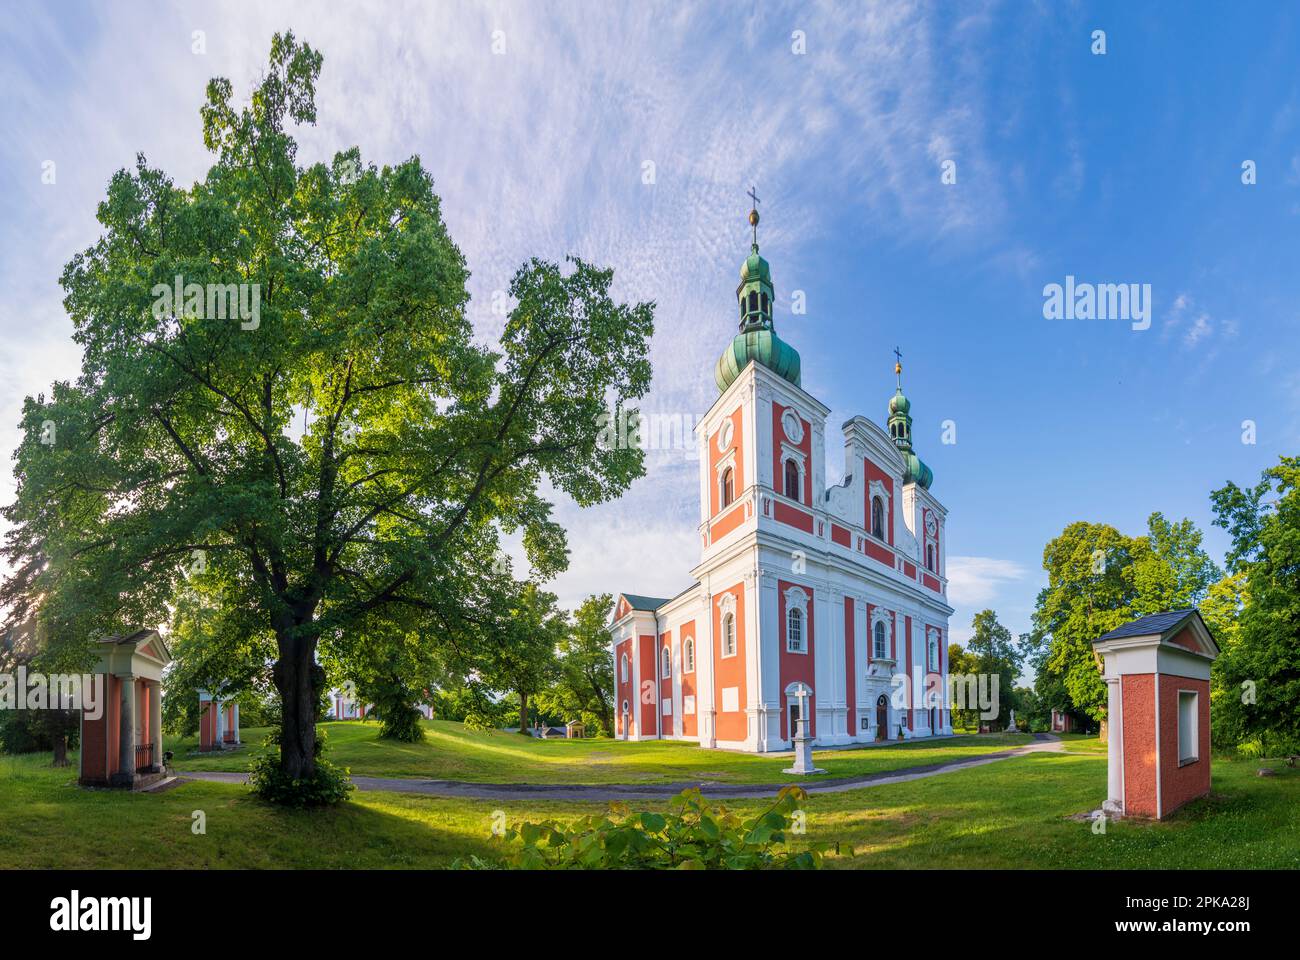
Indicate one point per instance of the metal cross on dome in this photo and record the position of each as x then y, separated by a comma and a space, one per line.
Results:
753, 214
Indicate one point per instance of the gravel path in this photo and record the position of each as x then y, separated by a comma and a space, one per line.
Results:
605, 792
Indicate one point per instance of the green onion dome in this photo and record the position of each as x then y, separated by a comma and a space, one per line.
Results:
915, 471
763, 346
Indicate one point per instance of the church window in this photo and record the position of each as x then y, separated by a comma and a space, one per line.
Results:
763, 299
878, 518
934, 653
688, 656
729, 635
728, 488
794, 630
668, 663
623, 668
792, 480
879, 636
753, 301
929, 556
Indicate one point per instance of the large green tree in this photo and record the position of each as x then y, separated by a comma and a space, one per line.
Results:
584, 681
1259, 668
181, 443
521, 655
993, 652
1098, 578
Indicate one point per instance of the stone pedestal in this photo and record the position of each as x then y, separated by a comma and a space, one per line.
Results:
803, 762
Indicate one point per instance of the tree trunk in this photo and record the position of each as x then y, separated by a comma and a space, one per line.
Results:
298, 679
523, 713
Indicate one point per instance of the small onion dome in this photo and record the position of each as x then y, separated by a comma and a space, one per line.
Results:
762, 346
915, 471
899, 404
755, 267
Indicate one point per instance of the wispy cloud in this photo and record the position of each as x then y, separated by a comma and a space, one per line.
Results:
975, 581
540, 150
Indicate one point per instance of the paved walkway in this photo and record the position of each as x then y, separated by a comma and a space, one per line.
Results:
604, 792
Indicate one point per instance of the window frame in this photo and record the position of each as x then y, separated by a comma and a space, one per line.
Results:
666, 662
622, 669
728, 633
878, 503
688, 655
794, 620
1195, 716
790, 467
879, 641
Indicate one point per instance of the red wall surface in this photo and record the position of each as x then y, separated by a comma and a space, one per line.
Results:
730, 671
1178, 784
851, 668
796, 666
1139, 715
647, 650
804, 447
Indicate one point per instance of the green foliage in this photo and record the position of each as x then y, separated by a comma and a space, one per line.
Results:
692, 835
480, 721
520, 654
1099, 579
1258, 671
355, 452
399, 719
584, 683
30, 731
991, 651
324, 786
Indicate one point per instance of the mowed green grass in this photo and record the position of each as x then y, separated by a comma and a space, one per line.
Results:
451, 752
1010, 814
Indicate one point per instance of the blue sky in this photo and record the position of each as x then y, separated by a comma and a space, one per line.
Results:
1119, 168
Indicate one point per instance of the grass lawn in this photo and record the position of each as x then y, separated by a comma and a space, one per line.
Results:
1010, 814
450, 752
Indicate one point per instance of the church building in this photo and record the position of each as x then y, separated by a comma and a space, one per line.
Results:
839, 588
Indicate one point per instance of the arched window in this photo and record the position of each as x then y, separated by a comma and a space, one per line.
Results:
622, 670
753, 301
929, 556
763, 300
934, 653
794, 630
878, 518
792, 480
879, 636
668, 663
728, 634
688, 656
728, 489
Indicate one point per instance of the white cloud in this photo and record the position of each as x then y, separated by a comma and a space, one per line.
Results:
975, 581
538, 151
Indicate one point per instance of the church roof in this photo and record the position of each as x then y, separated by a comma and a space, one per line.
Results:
638, 602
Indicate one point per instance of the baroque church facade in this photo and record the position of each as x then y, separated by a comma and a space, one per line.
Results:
841, 588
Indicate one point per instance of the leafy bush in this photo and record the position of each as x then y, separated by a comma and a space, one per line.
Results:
477, 721
31, 731
692, 836
329, 784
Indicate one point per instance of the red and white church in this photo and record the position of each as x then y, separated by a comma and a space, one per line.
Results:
839, 588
